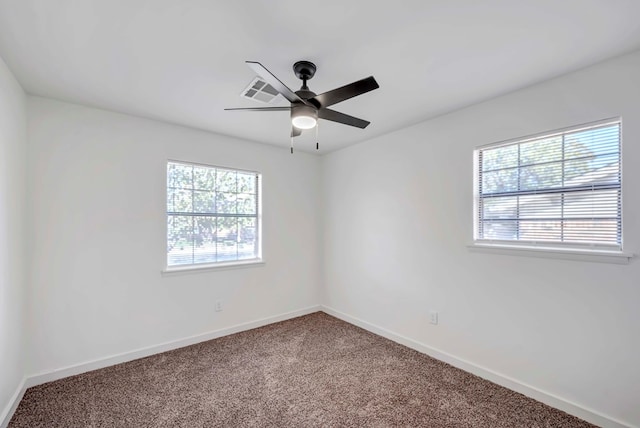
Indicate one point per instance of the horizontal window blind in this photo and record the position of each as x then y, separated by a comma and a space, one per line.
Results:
213, 214
562, 189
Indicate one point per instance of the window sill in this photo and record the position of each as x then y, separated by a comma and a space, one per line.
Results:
212, 267
598, 256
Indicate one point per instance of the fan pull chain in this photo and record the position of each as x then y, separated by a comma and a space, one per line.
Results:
292, 144
317, 141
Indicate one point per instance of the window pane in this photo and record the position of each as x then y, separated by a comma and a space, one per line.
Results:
246, 204
592, 142
500, 157
204, 240
246, 183
227, 242
226, 181
227, 228
496, 208
179, 200
247, 238
179, 176
597, 231
590, 204
541, 206
226, 203
531, 230
179, 240
541, 176
500, 230
596, 170
204, 178
500, 181
539, 151
204, 202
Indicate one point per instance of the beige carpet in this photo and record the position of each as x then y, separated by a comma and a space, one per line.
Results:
312, 371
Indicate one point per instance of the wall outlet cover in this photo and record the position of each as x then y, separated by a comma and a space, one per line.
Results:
433, 318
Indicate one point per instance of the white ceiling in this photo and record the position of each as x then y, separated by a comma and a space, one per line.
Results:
182, 61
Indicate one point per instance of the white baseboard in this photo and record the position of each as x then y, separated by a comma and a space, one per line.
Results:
111, 360
552, 400
500, 379
12, 405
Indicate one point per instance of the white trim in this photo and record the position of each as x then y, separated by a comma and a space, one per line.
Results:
545, 397
212, 267
554, 133
12, 405
111, 360
599, 256
206, 165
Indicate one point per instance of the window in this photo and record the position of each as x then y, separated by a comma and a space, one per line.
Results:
213, 215
562, 189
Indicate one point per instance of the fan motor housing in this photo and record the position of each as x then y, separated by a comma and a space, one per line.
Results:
305, 94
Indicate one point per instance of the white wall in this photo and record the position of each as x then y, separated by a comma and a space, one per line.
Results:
96, 191
385, 243
12, 241
398, 216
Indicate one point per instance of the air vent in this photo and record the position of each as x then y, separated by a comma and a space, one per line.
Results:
259, 90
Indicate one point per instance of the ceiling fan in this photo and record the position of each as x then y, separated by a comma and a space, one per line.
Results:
307, 107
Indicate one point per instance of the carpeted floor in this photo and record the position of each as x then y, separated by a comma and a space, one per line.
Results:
312, 371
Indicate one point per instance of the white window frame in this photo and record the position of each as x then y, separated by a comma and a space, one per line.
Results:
207, 266
572, 251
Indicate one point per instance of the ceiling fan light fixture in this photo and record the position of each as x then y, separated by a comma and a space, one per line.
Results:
304, 117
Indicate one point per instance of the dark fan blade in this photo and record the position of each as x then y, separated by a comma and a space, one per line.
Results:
261, 108
336, 116
344, 93
295, 131
262, 71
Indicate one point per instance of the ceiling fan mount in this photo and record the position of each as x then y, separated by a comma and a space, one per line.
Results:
304, 70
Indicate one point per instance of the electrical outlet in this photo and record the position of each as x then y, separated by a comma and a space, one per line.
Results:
433, 318
218, 306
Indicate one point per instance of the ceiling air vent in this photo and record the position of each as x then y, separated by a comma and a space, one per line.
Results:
260, 90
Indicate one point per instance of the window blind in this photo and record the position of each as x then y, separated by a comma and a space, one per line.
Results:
213, 214
561, 189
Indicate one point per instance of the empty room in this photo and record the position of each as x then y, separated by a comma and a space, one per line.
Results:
319, 214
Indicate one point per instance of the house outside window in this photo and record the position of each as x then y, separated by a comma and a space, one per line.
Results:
213, 215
